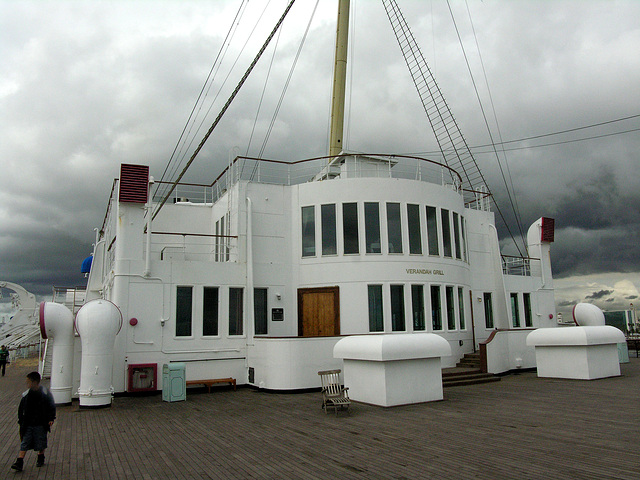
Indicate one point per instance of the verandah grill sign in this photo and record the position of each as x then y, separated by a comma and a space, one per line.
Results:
423, 271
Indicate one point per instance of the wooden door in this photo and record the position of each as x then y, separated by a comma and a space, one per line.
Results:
319, 312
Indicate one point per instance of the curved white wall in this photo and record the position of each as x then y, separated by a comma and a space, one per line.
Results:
56, 324
98, 322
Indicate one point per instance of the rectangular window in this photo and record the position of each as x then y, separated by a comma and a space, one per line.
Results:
461, 308
436, 308
227, 250
464, 239
456, 235
308, 232
210, 311
397, 308
417, 303
432, 230
528, 318
217, 241
350, 227
223, 240
413, 222
260, 310
394, 228
372, 227
328, 219
515, 310
236, 311
446, 232
451, 309
488, 310
184, 297
376, 323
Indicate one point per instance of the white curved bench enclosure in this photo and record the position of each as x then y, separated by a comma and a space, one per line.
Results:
582, 353
390, 370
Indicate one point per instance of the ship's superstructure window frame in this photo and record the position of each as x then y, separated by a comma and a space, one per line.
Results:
450, 307
372, 227
447, 249
463, 236
436, 308
328, 225
260, 311
236, 311
184, 311
417, 306
350, 228
456, 235
308, 231
488, 309
376, 312
398, 323
414, 229
210, 310
394, 228
528, 313
463, 324
515, 310
432, 230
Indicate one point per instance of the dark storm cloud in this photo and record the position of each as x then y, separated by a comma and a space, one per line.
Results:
600, 294
631, 297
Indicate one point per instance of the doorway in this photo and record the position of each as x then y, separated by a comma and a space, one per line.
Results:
319, 312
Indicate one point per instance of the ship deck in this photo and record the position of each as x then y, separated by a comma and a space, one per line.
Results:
522, 427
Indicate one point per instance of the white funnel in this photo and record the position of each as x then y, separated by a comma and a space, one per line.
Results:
98, 322
56, 324
587, 315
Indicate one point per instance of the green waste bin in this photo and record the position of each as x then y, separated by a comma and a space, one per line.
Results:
174, 382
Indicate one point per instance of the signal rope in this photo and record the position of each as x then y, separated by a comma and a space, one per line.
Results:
224, 108
202, 90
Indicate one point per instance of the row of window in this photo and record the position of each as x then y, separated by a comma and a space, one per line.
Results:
210, 309
515, 310
444, 231
452, 309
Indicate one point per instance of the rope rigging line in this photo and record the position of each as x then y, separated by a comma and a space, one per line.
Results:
186, 147
486, 122
284, 90
453, 146
225, 107
224, 82
208, 81
286, 85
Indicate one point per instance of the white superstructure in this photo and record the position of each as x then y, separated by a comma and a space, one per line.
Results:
258, 275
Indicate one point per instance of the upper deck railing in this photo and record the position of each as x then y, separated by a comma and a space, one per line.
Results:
280, 172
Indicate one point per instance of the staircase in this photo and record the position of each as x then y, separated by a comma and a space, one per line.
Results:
466, 372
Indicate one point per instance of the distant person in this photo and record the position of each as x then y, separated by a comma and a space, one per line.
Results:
36, 414
4, 357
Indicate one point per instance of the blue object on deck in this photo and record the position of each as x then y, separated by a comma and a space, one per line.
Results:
86, 264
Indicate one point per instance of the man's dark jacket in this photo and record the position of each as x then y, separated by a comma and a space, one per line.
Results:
37, 407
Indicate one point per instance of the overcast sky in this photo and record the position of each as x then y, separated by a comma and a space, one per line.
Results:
85, 86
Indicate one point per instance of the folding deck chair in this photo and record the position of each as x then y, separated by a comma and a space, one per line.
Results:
333, 393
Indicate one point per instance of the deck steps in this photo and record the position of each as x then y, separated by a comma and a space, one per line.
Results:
467, 372
468, 377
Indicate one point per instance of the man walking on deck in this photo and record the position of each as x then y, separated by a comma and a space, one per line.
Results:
36, 414
4, 356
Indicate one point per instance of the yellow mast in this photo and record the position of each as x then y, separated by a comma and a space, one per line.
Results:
339, 79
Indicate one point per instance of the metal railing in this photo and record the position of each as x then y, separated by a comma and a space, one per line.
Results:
279, 172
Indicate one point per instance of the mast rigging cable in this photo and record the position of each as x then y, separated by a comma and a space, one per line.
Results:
224, 108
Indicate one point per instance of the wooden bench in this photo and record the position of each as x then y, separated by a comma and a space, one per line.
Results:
209, 383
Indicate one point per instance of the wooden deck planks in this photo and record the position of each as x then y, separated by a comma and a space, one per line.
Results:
523, 426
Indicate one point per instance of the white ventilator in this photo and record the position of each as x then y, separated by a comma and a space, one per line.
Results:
97, 322
56, 325
587, 315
